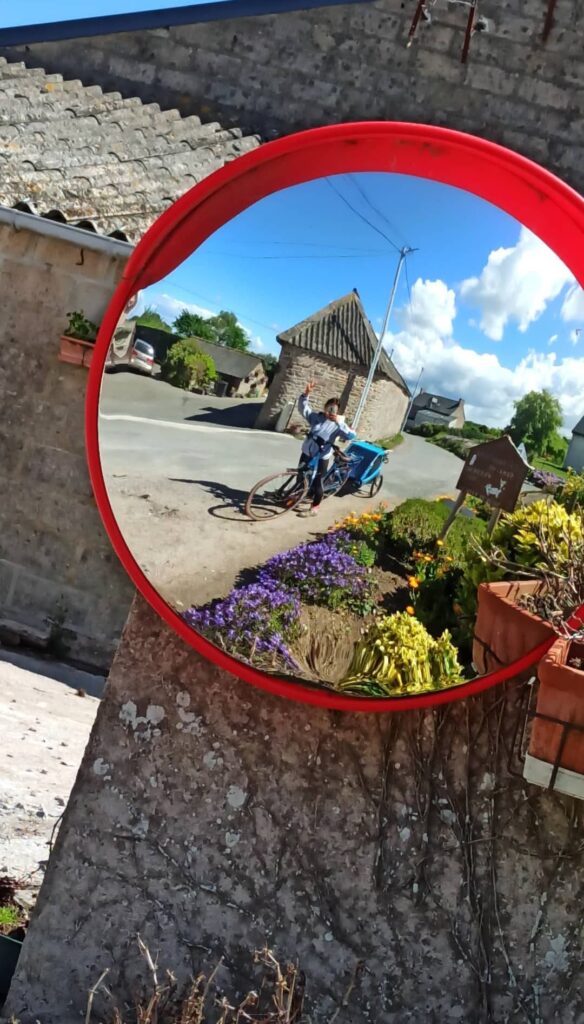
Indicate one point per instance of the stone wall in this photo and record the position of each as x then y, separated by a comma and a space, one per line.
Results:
55, 559
211, 818
278, 73
383, 414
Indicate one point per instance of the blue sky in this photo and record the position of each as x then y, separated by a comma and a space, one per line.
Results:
33, 12
486, 308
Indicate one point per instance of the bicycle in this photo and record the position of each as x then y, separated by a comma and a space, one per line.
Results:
282, 492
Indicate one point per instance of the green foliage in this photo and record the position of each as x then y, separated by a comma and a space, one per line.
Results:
390, 442
537, 419
9, 917
556, 448
152, 318
428, 429
398, 656
80, 328
415, 525
540, 536
572, 494
542, 531
189, 325
479, 432
186, 367
222, 329
228, 331
270, 365
433, 588
452, 444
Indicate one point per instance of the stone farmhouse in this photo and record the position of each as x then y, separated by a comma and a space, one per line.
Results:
428, 408
335, 346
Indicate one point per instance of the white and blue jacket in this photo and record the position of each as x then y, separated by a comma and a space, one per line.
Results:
323, 432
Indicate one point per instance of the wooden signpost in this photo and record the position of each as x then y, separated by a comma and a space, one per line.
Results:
494, 472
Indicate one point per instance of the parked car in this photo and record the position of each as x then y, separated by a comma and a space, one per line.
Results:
142, 356
127, 350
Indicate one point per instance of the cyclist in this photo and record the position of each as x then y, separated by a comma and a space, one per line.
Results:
325, 428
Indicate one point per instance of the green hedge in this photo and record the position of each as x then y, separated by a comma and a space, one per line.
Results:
416, 524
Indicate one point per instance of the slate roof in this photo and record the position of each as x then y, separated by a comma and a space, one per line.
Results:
435, 403
77, 154
578, 430
342, 332
230, 361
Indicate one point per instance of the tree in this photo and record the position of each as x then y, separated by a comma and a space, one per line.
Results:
537, 419
228, 331
270, 365
152, 318
186, 367
189, 325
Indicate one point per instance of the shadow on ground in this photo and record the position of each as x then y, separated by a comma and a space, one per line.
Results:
243, 415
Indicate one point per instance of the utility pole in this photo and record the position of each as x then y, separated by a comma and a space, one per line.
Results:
365, 393
409, 409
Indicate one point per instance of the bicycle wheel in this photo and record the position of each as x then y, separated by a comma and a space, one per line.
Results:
275, 495
335, 480
376, 486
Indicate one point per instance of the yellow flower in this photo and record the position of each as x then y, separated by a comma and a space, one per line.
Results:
410, 610
428, 558
440, 543
413, 582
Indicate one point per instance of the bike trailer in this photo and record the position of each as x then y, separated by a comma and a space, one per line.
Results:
368, 460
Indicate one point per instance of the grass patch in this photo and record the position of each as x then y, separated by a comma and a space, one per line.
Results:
10, 917
548, 467
390, 442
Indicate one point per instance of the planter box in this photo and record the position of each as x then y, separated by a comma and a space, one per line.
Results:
9, 954
504, 631
74, 352
560, 695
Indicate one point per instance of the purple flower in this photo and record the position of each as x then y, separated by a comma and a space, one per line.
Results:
257, 619
320, 572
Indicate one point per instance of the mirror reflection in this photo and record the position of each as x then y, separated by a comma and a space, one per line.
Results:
344, 438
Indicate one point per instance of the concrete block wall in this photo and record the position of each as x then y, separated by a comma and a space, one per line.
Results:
385, 409
55, 559
279, 73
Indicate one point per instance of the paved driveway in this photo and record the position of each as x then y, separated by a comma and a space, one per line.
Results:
178, 468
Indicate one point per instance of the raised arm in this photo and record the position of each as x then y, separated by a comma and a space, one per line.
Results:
304, 406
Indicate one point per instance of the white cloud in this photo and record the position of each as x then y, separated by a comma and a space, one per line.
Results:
553, 339
489, 389
575, 336
170, 307
516, 284
573, 305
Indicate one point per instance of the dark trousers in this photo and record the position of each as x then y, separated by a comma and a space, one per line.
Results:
315, 491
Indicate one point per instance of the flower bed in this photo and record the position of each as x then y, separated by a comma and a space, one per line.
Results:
380, 606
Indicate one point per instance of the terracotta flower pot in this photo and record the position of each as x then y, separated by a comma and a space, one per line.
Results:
560, 695
504, 631
75, 352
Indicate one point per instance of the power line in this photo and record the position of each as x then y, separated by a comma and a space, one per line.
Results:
189, 291
379, 213
360, 215
331, 256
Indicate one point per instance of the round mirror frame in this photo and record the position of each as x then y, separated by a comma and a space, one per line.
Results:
540, 201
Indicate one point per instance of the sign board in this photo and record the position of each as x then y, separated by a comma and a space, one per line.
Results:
494, 472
